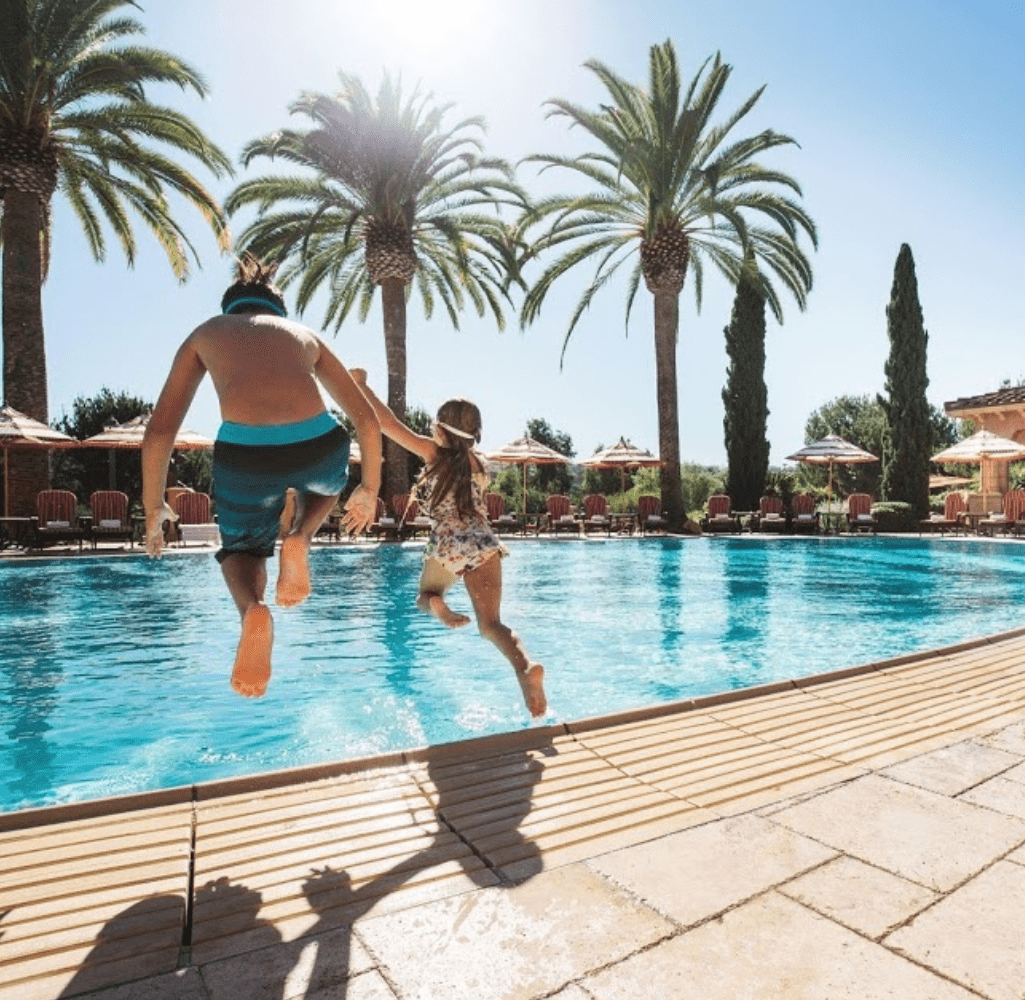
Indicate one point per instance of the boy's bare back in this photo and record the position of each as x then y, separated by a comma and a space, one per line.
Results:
263, 367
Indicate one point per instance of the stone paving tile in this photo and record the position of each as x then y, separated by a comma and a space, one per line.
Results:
290, 971
976, 935
1018, 856
999, 794
185, 984
511, 943
770, 949
694, 875
911, 832
951, 770
1009, 738
1015, 774
861, 897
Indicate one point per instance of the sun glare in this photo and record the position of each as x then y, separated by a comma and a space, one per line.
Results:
436, 35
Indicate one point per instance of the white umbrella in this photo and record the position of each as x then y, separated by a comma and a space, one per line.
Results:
19, 432
983, 447
130, 434
526, 451
622, 456
832, 450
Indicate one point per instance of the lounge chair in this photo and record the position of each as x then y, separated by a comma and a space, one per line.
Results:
719, 516
499, 520
650, 516
806, 518
331, 526
950, 520
195, 523
385, 525
770, 514
859, 513
111, 521
1013, 511
596, 514
57, 519
560, 515
408, 519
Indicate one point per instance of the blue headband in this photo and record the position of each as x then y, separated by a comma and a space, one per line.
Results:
252, 300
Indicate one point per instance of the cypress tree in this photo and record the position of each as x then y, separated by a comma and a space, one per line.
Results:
908, 416
745, 396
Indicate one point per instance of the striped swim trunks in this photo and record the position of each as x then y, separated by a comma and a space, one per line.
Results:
255, 465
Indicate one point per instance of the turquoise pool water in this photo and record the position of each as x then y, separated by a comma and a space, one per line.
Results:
114, 671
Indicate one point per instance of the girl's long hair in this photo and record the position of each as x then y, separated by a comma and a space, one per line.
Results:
455, 465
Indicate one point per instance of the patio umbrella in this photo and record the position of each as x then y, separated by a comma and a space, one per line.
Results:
622, 456
526, 451
832, 450
19, 432
130, 434
986, 449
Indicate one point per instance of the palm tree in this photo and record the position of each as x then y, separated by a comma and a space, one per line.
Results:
389, 198
74, 118
666, 182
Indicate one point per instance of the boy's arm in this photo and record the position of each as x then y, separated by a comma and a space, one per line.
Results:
361, 507
186, 373
425, 447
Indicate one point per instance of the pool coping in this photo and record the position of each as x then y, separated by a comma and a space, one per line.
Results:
208, 791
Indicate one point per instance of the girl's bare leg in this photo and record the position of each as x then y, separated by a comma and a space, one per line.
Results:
294, 560
246, 577
434, 582
484, 586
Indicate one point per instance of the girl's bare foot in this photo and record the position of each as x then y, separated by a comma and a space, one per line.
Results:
252, 661
293, 572
532, 684
435, 605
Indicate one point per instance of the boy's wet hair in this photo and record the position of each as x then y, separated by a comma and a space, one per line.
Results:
253, 289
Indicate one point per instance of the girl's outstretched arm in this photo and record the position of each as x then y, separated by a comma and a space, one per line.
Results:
392, 427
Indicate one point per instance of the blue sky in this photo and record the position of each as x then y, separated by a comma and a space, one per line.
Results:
908, 118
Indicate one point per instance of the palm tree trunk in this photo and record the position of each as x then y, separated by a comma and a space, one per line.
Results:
24, 348
667, 311
393, 303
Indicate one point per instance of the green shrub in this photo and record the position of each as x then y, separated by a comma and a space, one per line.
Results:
894, 515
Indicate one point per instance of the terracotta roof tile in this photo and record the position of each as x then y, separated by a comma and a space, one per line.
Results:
1014, 396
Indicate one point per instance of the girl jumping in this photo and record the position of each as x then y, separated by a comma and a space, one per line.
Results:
461, 543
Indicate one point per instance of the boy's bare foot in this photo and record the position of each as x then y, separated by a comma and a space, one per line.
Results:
252, 661
435, 605
293, 572
532, 684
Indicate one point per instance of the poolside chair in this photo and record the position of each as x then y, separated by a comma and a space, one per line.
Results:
719, 516
1013, 511
949, 520
195, 523
770, 513
859, 513
111, 521
805, 520
410, 521
384, 525
560, 514
331, 526
57, 519
1014, 508
650, 516
499, 520
596, 514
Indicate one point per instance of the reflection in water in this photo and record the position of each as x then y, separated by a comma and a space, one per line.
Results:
32, 677
118, 680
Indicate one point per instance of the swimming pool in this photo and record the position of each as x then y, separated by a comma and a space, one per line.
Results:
114, 671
